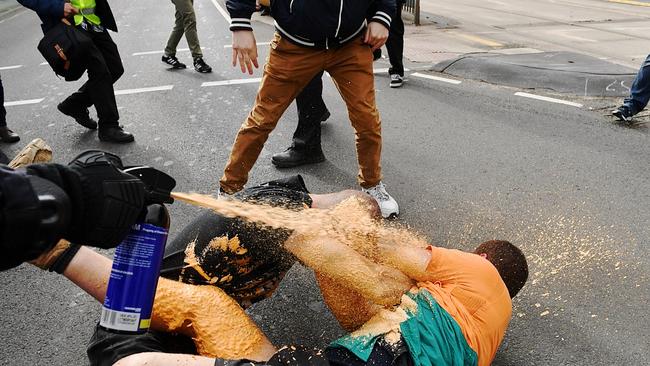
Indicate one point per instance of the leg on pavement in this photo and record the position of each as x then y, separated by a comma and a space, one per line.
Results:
288, 70
306, 145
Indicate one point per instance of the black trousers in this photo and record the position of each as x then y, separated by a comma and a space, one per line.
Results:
310, 110
104, 69
395, 43
3, 111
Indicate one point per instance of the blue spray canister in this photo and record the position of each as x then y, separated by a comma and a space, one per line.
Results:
136, 263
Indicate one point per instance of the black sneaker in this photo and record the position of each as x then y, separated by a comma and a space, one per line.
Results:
201, 66
7, 135
114, 134
396, 80
80, 115
173, 62
623, 114
326, 115
293, 157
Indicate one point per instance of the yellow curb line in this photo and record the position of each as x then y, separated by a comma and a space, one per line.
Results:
483, 41
630, 2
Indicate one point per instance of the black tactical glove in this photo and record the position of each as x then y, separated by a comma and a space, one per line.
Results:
105, 201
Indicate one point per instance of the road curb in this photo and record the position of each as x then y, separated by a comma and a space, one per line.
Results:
563, 72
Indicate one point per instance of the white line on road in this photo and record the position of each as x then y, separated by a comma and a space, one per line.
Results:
384, 70
43, 64
436, 78
144, 90
231, 82
547, 99
258, 43
23, 102
10, 67
161, 51
221, 10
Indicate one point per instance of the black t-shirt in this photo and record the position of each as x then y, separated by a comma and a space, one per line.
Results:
245, 260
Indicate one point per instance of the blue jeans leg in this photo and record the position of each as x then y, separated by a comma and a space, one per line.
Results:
640, 91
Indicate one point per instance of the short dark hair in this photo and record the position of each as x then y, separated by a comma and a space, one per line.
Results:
509, 261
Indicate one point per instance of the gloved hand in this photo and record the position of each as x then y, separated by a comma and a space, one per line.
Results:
105, 201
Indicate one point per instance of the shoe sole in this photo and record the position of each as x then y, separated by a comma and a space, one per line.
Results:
621, 117
104, 139
203, 72
279, 164
396, 85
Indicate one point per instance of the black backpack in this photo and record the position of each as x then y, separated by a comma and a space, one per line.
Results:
64, 48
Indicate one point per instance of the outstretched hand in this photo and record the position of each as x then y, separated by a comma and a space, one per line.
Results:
244, 50
376, 35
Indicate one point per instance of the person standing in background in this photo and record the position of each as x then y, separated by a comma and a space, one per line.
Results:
395, 47
185, 24
94, 19
6, 135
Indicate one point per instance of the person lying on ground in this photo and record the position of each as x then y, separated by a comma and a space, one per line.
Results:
456, 314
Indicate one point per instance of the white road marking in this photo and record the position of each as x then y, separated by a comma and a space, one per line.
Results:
258, 43
23, 102
43, 64
161, 51
436, 78
221, 10
144, 90
384, 70
231, 82
10, 67
547, 99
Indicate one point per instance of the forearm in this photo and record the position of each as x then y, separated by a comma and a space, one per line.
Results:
90, 271
377, 283
168, 359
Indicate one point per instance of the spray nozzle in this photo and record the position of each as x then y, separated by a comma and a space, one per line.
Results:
158, 185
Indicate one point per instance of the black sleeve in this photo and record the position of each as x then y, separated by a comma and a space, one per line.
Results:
106, 348
240, 14
29, 225
384, 11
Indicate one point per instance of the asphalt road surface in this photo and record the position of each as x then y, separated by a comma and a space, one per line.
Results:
466, 161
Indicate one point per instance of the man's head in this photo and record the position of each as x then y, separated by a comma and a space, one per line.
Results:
508, 260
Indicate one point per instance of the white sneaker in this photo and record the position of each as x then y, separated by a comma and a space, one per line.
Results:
223, 195
387, 204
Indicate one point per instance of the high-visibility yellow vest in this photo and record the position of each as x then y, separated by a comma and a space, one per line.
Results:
86, 11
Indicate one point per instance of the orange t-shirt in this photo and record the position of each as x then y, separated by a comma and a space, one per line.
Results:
469, 287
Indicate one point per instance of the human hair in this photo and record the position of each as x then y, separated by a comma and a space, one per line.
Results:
509, 261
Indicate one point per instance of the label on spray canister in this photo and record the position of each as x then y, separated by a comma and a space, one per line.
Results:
133, 280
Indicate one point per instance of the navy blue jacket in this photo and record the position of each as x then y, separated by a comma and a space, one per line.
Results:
51, 12
315, 23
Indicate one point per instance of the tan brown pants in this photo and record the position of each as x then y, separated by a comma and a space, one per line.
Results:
287, 71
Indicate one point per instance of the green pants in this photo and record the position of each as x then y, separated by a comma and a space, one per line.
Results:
185, 23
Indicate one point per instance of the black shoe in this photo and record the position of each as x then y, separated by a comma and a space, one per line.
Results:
201, 66
173, 62
293, 157
396, 80
80, 115
114, 134
623, 113
7, 135
326, 115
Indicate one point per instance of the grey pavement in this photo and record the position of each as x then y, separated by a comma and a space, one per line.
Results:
467, 162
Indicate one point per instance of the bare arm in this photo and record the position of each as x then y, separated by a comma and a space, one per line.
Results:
380, 284
168, 359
